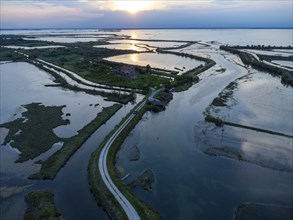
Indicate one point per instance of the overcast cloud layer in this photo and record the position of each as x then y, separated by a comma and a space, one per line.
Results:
147, 14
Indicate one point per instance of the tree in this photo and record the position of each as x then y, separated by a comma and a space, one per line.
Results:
148, 68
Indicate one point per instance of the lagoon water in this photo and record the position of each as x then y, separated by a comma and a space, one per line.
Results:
157, 60
280, 37
189, 183
23, 83
255, 100
149, 43
123, 47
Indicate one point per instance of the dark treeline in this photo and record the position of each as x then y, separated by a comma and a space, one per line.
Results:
262, 47
17, 40
176, 48
270, 58
86, 51
248, 59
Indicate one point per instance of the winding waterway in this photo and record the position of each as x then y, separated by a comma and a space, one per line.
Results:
189, 184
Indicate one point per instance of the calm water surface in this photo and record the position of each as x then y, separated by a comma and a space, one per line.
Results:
256, 102
123, 47
149, 43
280, 37
157, 60
190, 184
23, 83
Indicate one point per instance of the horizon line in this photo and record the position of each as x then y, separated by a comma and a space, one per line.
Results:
150, 28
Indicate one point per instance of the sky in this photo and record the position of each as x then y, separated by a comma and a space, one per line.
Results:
146, 14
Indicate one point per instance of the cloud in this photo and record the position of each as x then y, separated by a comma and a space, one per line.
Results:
145, 14
43, 13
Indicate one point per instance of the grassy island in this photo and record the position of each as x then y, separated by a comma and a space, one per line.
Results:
41, 206
32, 134
54, 163
110, 96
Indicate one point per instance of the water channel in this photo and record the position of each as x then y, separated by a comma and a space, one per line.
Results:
189, 184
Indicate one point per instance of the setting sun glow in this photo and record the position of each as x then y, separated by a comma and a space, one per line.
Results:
132, 7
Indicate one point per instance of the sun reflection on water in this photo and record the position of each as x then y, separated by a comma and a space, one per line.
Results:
133, 35
134, 57
133, 47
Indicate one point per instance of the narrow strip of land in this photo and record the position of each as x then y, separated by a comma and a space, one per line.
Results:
220, 122
125, 204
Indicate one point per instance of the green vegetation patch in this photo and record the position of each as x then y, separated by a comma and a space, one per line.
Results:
164, 96
17, 40
110, 96
217, 121
185, 81
7, 54
32, 134
143, 80
54, 163
41, 206
87, 61
225, 95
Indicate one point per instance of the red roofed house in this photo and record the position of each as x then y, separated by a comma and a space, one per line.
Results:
128, 71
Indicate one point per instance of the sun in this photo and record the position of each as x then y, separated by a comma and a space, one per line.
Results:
132, 7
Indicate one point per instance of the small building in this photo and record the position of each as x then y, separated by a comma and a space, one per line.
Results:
162, 99
167, 97
128, 71
156, 102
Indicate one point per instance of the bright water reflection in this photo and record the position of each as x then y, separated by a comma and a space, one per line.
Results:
256, 102
122, 47
157, 60
279, 37
149, 43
